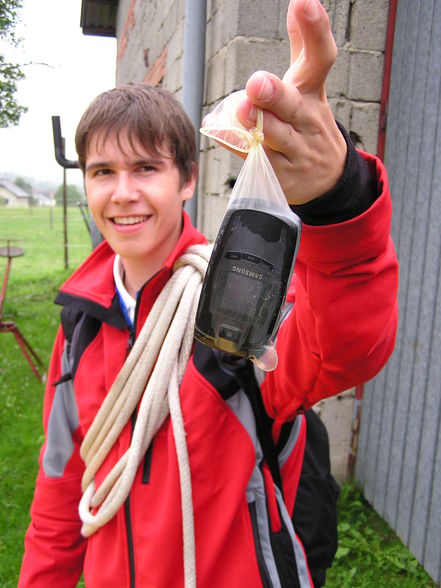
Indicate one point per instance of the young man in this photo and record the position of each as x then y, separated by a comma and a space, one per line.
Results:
137, 151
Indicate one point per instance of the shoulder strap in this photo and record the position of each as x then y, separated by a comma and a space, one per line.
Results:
69, 320
244, 372
79, 330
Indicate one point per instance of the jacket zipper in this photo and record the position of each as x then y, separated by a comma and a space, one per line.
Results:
127, 513
130, 541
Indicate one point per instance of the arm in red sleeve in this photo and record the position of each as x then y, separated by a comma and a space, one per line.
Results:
54, 547
342, 328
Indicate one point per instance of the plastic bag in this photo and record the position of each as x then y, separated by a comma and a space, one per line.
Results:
254, 253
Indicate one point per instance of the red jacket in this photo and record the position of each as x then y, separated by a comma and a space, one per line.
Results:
339, 333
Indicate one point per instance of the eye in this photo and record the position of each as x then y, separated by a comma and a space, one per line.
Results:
147, 167
98, 172
105, 171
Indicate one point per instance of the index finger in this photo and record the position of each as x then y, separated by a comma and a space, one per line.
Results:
295, 38
308, 26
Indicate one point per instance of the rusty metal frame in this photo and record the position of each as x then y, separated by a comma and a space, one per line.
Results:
10, 326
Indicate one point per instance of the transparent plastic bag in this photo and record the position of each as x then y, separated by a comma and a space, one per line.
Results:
254, 253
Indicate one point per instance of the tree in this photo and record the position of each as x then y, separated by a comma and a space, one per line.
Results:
74, 195
23, 184
10, 73
27, 187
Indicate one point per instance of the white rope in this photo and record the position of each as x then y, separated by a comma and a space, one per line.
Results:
151, 377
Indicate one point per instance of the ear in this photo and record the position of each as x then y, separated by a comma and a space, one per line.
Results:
188, 188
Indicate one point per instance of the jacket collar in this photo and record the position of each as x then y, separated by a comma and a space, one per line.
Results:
91, 288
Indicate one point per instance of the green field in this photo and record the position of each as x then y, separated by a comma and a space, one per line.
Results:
369, 554
33, 284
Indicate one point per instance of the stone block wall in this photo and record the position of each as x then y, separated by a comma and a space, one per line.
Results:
151, 42
355, 83
242, 37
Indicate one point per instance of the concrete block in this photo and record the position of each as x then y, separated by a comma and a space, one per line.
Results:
123, 8
336, 413
228, 20
218, 170
149, 19
215, 78
364, 123
342, 110
149, 12
368, 25
204, 142
133, 67
210, 8
175, 45
178, 95
281, 29
230, 166
246, 56
211, 43
230, 82
257, 19
221, 27
338, 12
214, 161
211, 211
171, 20
162, 38
173, 76
338, 78
209, 168
365, 76
163, 9
179, 74
151, 46
181, 10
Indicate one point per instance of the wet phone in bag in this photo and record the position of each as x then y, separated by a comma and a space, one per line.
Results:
246, 281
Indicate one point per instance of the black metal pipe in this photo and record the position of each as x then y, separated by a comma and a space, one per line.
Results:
59, 146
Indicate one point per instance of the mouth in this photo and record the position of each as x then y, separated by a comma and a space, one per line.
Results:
129, 220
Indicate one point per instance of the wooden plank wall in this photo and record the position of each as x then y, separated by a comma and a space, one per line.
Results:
399, 456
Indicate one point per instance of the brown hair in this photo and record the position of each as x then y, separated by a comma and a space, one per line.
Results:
149, 115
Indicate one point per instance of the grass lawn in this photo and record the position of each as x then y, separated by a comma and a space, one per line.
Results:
369, 554
33, 284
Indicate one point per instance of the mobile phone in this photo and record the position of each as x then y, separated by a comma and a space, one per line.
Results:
246, 281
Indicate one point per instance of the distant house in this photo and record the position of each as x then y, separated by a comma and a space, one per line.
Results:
13, 196
44, 197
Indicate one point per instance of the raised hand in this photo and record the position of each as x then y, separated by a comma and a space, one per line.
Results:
302, 140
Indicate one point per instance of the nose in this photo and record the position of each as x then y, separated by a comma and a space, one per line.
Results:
125, 190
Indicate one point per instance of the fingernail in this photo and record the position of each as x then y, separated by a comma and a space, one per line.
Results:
310, 8
266, 90
252, 115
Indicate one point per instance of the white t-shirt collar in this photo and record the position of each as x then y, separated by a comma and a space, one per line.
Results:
128, 301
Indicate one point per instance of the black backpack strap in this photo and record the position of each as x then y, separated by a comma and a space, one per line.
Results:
69, 319
244, 372
79, 330
315, 510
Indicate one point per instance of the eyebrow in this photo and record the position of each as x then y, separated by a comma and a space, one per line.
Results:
158, 161
96, 165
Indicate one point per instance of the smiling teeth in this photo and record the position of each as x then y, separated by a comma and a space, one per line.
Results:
129, 220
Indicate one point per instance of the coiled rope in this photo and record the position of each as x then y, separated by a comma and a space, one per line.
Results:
151, 374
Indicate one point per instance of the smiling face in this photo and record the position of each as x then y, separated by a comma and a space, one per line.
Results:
136, 201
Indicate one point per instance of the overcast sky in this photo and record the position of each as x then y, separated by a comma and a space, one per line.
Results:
78, 68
